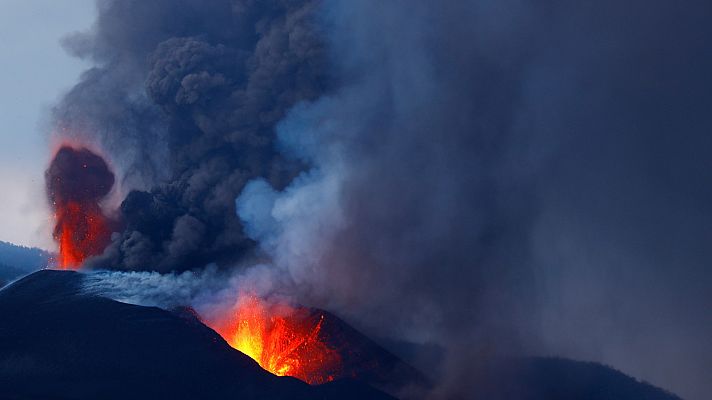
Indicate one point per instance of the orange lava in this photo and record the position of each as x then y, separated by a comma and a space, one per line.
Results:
76, 181
81, 231
284, 340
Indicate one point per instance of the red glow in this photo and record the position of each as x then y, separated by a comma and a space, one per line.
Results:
81, 231
77, 180
284, 340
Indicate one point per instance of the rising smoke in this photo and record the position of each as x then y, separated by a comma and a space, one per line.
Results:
186, 101
494, 177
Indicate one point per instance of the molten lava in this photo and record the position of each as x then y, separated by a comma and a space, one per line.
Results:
81, 231
77, 180
284, 340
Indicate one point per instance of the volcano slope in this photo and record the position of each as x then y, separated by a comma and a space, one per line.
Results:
57, 342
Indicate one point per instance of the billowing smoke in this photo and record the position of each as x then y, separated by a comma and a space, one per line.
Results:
77, 180
78, 175
210, 290
186, 100
493, 177
507, 178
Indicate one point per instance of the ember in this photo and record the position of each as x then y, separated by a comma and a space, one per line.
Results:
77, 180
284, 340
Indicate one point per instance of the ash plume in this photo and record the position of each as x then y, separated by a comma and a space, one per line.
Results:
77, 175
492, 177
77, 180
186, 100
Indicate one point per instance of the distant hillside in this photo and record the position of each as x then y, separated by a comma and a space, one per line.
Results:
561, 379
16, 261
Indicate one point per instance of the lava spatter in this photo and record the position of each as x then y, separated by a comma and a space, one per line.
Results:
76, 181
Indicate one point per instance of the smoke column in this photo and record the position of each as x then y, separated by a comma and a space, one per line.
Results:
186, 101
77, 180
492, 177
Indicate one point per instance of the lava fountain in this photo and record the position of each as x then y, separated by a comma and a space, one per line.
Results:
76, 181
284, 340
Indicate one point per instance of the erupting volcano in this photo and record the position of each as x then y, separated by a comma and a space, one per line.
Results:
76, 181
284, 340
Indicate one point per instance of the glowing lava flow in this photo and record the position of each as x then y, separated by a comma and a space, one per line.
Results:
282, 339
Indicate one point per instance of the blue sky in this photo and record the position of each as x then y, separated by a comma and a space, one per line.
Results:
35, 71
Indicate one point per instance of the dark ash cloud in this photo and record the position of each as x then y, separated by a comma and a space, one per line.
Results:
185, 100
77, 175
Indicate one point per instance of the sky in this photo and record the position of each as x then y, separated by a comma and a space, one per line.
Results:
36, 71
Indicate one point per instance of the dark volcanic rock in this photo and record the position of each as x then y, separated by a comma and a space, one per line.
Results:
58, 342
365, 360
